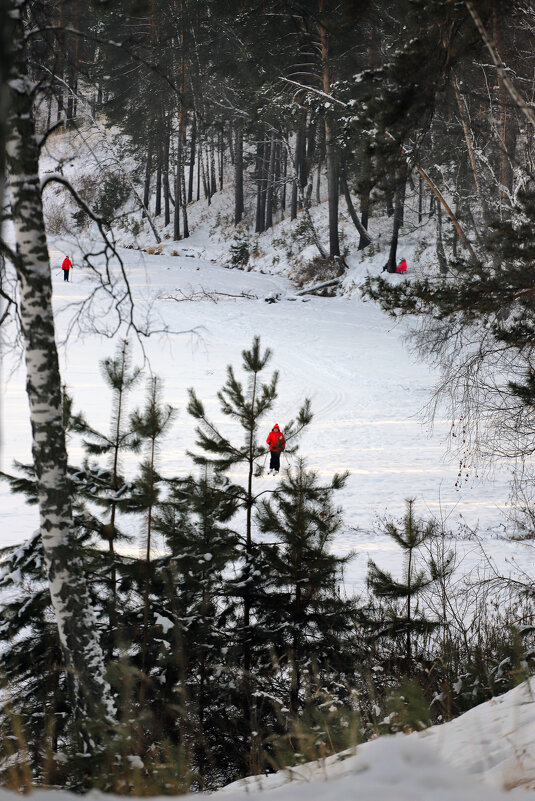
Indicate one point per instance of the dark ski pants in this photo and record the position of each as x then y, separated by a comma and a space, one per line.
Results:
65, 275
275, 461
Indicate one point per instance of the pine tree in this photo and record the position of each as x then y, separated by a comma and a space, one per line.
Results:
303, 617
248, 407
193, 622
150, 425
110, 488
406, 622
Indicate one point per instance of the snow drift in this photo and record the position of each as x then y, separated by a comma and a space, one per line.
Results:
489, 753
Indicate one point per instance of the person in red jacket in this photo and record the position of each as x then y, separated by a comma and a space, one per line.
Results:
277, 444
66, 266
402, 266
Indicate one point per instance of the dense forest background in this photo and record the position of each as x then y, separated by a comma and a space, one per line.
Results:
233, 654
356, 102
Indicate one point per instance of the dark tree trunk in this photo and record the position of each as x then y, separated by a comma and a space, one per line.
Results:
185, 224
300, 163
165, 177
284, 179
193, 134
398, 221
178, 183
205, 176
260, 185
158, 202
60, 64
269, 182
365, 239
146, 188
333, 191
231, 143
302, 170
333, 187
364, 217
199, 173
69, 117
221, 158
297, 171
213, 181
238, 176
441, 255
455, 243
293, 200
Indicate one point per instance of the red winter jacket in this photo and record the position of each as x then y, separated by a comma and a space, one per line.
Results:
402, 267
67, 264
276, 440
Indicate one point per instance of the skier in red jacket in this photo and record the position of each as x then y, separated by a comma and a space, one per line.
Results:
66, 266
277, 444
402, 266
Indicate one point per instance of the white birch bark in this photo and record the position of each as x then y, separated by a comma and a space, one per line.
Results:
77, 627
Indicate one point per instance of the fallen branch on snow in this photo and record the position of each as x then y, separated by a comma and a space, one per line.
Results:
203, 294
310, 290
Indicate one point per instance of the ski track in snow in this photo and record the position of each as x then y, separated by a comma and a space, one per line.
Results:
346, 355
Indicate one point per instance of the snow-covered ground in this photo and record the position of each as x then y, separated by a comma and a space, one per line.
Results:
488, 750
346, 355
488, 753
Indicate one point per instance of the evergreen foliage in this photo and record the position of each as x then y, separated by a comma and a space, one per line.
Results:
408, 620
306, 623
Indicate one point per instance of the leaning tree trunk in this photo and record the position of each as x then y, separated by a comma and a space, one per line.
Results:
365, 238
77, 627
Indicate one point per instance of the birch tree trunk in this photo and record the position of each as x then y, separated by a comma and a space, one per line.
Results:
77, 627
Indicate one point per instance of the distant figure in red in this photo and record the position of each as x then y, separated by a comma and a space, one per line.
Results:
66, 266
277, 444
402, 266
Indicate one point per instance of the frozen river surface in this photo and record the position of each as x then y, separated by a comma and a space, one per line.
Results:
345, 355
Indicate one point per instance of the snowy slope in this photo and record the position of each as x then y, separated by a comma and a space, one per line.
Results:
494, 743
